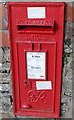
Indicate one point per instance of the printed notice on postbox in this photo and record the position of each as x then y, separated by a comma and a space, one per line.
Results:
35, 65
41, 85
36, 12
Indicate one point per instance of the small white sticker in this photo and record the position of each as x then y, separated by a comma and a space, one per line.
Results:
35, 65
36, 12
41, 85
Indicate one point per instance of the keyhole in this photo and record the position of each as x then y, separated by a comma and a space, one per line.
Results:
26, 82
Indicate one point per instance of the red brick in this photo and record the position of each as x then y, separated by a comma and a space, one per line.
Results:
4, 39
69, 13
1, 11
3, 26
73, 13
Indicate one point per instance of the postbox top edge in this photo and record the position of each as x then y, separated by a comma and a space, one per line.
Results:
36, 3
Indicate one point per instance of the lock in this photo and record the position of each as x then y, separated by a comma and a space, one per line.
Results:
26, 83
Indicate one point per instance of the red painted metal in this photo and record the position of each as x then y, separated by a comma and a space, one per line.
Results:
36, 35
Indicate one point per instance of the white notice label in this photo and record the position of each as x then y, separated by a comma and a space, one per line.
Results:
41, 85
36, 12
35, 65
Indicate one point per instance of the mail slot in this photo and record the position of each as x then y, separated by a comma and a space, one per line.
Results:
36, 42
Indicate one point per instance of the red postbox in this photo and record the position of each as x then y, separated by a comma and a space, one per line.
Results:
36, 35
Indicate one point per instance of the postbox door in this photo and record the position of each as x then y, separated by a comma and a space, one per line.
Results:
37, 75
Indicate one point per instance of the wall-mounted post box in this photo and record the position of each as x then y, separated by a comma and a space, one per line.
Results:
36, 35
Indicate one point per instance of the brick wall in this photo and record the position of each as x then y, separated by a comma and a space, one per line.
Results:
5, 72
